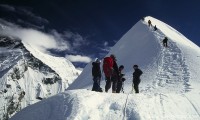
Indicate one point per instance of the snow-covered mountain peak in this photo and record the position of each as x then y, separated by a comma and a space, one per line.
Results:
28, 75
143, 46
62, 66
169, 87
172, 33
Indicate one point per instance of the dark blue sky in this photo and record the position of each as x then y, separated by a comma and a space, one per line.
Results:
107, 20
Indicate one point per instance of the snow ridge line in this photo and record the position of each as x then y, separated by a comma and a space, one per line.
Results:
172, 70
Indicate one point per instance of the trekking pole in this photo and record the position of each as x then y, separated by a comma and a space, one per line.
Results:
101, 74
132, 87
123, 87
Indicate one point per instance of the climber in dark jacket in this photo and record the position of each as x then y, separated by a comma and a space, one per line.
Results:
155, 28
120, 80
96, 73
149, 22
136, 78
165, 42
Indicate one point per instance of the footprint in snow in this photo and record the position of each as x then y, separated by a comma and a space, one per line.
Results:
115, 106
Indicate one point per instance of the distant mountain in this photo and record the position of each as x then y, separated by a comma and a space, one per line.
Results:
28, 75
169, 87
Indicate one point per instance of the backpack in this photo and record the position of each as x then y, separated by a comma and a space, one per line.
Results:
107, 66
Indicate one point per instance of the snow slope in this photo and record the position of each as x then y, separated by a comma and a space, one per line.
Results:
88, 105
60, 65
28, 75
169, 88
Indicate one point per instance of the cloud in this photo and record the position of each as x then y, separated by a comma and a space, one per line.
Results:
32, 16
40, 40
4, 24
63, 44
66, 40
77, 39
105, 44
78, 58
25, 23
105, 47
25, 13
7, 7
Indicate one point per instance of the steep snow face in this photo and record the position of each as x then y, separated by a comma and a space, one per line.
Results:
169, 87
137, 46
180, 45
27, 76
175, 67
63, 67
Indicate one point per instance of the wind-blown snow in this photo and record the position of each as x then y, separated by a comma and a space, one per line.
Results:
169, 88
